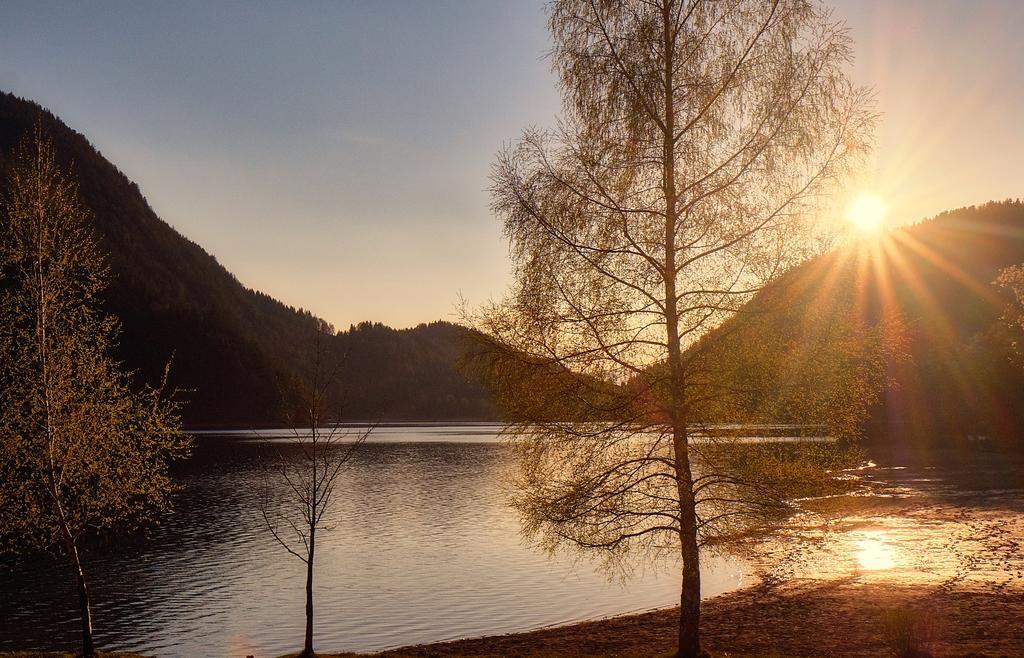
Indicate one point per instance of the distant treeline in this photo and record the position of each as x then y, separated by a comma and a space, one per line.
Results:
233, 350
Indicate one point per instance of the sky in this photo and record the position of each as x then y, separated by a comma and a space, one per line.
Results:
336, 155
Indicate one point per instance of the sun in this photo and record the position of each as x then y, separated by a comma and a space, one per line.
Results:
867, 212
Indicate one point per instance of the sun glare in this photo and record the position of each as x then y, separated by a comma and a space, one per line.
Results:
873, 553
866, 213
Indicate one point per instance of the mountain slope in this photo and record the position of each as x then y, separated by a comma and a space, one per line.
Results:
234, 349
961, 378
957, 374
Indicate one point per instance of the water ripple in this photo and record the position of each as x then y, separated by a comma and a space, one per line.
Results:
424, 550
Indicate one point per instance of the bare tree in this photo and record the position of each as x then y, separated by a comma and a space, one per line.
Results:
697, 139
299, 481
80, 451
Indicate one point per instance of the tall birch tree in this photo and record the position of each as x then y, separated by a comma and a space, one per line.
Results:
81, 451
697, 139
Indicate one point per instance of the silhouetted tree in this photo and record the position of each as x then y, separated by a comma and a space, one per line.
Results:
697, 137
80, 452
299, 478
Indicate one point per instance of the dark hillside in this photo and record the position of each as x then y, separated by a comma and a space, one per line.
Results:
233, 348
959, 377
409, 374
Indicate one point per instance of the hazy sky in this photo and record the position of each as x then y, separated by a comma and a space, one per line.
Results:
335, 155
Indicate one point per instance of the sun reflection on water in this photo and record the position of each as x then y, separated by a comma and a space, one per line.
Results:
873, 552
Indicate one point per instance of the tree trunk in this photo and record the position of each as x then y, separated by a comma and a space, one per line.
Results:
88, 650
307, 651
689, 598
689, 605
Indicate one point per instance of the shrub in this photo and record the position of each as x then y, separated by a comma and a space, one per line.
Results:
909, 633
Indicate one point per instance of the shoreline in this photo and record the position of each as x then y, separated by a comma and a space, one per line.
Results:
953, 559
950, 548
806, 617
836, 618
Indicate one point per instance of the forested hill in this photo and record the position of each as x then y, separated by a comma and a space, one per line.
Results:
234, 349
960, 371
964, 375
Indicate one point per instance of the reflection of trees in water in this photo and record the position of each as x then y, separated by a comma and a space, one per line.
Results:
425, 537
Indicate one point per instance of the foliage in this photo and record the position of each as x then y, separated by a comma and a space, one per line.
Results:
67, 405
683, 177
807, 359
1011, 279
80, 450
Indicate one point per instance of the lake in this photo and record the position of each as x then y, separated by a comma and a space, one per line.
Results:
424, 549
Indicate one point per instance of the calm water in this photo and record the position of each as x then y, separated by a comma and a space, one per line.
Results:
424, 550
